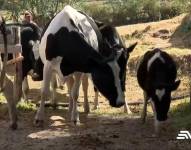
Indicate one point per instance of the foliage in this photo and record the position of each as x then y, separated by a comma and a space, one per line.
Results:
118, 12
26, 106
182, 115
42, 10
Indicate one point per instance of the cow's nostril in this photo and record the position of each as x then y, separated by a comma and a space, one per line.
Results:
36, 77
117, 104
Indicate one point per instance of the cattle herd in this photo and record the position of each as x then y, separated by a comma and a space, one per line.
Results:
72, 47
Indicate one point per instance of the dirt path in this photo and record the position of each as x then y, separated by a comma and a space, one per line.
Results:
103, 129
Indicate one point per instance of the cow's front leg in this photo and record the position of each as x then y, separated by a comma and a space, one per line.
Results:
75, 94
144, 113
85, 91
126, 108
47, 72
8, 93
25, 88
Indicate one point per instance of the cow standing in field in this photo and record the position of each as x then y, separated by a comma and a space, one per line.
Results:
109, 35
70, 44
156, 75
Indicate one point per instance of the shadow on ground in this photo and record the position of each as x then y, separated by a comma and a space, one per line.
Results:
95, 132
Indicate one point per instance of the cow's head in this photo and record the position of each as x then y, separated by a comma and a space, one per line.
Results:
30, 39
161, 98
110, 79
35, 47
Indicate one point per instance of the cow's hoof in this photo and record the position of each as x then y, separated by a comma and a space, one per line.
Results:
95, 107
87, 110
143, 121
61, 87
36, 77
54, 106
13, 126
38, 123
128, 111
75, 123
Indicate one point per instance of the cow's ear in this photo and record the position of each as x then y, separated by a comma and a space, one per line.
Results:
131, 47
175, 85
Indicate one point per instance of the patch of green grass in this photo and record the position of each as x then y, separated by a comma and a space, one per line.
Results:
181, 115
26, 106
2, 99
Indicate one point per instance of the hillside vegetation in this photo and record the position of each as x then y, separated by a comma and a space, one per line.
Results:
121, 12
172, 35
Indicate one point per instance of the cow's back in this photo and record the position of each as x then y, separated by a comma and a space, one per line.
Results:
71, 20
155, 70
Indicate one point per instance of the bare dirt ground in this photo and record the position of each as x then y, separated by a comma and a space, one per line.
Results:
103, 129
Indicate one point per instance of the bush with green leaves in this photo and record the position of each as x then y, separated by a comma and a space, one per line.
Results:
117, 12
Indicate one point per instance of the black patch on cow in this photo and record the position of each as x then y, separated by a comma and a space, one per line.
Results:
29, 33
103, 79
70, 45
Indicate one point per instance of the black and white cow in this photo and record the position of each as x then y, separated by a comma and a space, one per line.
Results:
156, 75
111, 37
30, 37
70, 44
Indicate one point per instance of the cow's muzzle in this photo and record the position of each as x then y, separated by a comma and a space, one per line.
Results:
117, 104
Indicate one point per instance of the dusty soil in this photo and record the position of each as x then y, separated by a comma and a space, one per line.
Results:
103, 129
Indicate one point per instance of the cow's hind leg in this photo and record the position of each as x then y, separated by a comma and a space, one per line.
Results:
8, 93
126, 108
25, 88
85, 90
70, 83
75, 94
96, 105
53, 86
47, 72
144, 113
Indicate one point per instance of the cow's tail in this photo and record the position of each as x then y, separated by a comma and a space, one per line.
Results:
3, 71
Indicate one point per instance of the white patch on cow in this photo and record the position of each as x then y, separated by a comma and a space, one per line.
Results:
62, 19
25, 88
115, 69
119, 53
153, 58
55, 64
160, 93
35, 48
